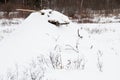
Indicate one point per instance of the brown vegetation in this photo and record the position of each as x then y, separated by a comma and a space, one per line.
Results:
68, 7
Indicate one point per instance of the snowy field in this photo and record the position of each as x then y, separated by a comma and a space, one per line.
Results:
7, 26
38, 50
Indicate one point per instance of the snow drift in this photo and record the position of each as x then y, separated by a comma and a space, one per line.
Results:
35, 36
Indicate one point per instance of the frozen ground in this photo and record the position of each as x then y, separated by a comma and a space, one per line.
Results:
39, 50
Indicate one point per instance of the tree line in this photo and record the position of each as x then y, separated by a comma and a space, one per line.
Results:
66, 6
93, 4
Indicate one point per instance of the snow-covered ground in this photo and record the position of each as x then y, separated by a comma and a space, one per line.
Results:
8, 26
98, 18
39, 50
108, 19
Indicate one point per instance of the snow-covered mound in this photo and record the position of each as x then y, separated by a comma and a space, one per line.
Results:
55, 16
35, 36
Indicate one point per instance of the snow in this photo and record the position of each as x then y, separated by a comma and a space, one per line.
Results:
32, 41
82, 51
104, 19
55, 16
8, 26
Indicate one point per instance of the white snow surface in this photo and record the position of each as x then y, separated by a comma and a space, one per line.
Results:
99, 43
55, 16
33, 37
